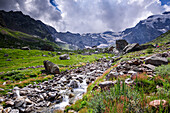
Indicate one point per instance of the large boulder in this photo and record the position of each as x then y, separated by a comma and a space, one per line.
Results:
130, 47
156, 61
121, 44
64, 57
51, 67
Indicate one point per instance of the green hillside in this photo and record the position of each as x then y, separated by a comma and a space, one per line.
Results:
16, 39
164, 38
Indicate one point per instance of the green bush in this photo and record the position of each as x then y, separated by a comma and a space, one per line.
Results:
18, 76
163, 70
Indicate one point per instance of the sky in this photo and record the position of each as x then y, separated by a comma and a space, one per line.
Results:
88, 16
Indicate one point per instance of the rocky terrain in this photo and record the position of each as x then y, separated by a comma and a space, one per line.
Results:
68, 86
62, 90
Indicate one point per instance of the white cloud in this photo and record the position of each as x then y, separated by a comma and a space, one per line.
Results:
102, 15
87, 15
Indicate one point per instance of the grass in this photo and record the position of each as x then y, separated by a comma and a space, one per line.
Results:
21, 69
161, 40
19, 39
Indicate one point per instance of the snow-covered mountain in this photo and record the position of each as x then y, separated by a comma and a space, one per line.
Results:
145, 31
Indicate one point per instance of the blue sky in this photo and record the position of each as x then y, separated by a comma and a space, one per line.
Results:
55, 5
165, 2
53, 2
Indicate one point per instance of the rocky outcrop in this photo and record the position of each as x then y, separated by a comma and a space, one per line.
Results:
121, 44
157, 61
130, 47
64, 57
51, 67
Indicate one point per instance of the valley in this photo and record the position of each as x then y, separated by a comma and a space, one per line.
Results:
43, 70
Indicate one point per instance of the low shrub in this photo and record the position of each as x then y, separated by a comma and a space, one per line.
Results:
163, 70
117, 99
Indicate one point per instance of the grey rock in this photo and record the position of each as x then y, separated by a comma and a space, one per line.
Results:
112, 75
8, 60
6, 55
25, 48
107, 84
14, 111
74, 84
51, 67
19, 102
121, 44
132, 72
129, 81
130, 47
149, 66
64, 57
58, 53
9, 102
156, 61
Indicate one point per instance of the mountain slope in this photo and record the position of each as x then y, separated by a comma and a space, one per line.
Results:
16, 39
82, 41
164, 38
145, 31
148, 29
19, 22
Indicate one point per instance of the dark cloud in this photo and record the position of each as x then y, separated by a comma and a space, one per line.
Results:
38, 9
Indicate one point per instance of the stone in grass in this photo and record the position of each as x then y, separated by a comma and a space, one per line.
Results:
5, 55
64, 57
8, 60
107, 84
157, 103
25, 48
112, 75
51, 67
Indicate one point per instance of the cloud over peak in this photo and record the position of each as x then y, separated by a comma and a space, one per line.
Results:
87, 15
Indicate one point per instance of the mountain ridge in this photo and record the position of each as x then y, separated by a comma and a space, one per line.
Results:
145, 31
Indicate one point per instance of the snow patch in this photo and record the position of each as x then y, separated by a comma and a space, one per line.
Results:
58, 40
102, 45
